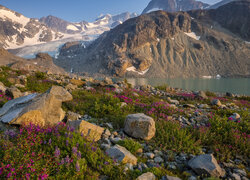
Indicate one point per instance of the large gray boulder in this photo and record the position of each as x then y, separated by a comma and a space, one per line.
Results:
206, 164
38, 109
140, 126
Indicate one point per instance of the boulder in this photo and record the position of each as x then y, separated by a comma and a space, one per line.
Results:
77, 82
146, 176
121, 154
38, 109
140, 126
170, 178
71, 87
216, 102
2, 87
206, 164
202, 94
13, 92
91, 131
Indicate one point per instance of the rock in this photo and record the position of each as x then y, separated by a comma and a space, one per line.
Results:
2, 87
146, 176
71, 87
19, 86
108, 80
202, 94
236, 176
206, 164
241, 172
115, 140
140, 126
73, 116
175, 102
38, 109
150, 155
106, 134
216, 102
74, 124
91, 131
170, 178
121, 154
158, 160
13, 92
77, 82
235, 117
189, 106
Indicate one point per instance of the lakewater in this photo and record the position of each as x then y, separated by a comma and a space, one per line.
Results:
234, 85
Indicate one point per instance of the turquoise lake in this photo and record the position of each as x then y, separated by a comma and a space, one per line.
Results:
234, 85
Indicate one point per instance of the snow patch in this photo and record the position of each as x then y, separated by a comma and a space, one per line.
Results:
5, 14
133, 69
72, 27
154, 9
193, 35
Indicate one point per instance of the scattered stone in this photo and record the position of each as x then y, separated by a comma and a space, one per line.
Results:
236, 176
115, 140
150, 155
13, 92
189, 106
170, 178
202, 94
235, 117
216, 102
140, 126
158, 160
77, 82
91, 131
2, 87
38, 109
241, 172
146, 176
108, 80
106, 133
121, 154
206, 164
73, 116
71, 87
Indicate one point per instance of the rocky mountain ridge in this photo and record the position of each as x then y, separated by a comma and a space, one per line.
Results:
174, 5
161, 44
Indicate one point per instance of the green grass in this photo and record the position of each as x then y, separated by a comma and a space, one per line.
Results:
130, 144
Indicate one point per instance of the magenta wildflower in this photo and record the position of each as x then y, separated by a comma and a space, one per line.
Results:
57, 152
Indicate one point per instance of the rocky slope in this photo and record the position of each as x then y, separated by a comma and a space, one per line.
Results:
221, 3
161, 44
17, 30
233, 16
43, 62
174, 5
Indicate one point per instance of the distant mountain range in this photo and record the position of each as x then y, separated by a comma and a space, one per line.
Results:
162, 44
18, 31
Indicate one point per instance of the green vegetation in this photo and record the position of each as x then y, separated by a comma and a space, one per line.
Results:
130, 145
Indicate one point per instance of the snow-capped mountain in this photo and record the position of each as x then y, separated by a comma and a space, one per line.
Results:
17, 30
174, 5
28, 36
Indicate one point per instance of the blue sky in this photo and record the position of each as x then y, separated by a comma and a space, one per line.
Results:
77, 10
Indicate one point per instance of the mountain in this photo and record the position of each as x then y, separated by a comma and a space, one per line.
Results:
61, 25
17, 30
221, 3
26, 37
234, 16
163, 44
174, 5
42, 62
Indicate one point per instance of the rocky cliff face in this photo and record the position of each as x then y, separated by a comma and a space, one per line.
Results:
161, 44
221, 3
17, 30
234, 16
174, 5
